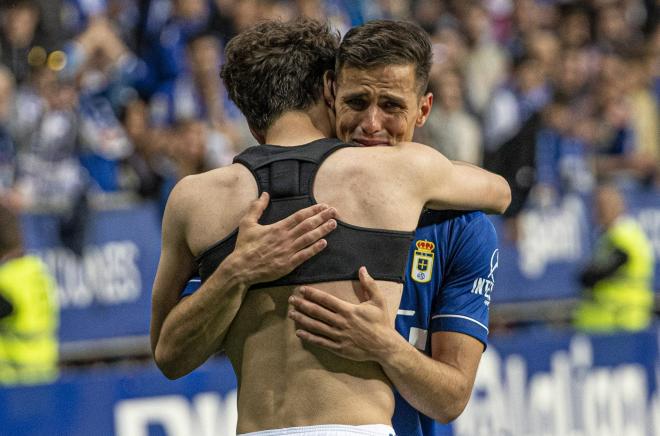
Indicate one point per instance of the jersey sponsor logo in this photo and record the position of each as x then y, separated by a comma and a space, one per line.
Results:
494, 263
484, 286
422, 263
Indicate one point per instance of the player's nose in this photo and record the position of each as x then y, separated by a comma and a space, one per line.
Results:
371, 121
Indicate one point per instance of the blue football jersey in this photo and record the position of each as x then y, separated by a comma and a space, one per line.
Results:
449, 281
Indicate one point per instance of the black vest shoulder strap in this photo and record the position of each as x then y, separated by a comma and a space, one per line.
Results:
287, 171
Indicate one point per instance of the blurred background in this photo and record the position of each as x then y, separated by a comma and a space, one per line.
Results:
106, 104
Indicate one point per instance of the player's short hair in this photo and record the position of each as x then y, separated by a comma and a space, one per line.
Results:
379, 43
10, 231
276, 67
19, 4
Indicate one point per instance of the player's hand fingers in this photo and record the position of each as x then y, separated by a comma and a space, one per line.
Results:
370, 287
293, 220
312, 236
313, 222
256, 209
318, 340
330, 302
312, 325
307, 253
315, 311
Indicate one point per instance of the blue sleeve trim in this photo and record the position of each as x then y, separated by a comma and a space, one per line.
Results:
460, 324
192, 285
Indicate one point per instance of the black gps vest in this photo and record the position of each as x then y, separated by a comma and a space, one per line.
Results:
287, 174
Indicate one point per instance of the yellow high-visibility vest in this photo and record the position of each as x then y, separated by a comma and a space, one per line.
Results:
623, 301
28, 336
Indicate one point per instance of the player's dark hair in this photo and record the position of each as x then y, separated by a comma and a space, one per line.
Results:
276, 67
15, 4
379, 43
10, 231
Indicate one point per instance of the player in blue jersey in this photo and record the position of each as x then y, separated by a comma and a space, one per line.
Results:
443, 313
452, 266
444, 307
448, 286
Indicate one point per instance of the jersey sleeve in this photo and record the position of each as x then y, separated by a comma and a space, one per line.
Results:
463, 303
193, 285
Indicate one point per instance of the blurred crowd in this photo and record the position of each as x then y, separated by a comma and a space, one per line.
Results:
105, 101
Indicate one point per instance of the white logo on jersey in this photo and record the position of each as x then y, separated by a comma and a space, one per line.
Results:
494, 263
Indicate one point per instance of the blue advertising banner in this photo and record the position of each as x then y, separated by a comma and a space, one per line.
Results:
645, 207
533, 383
106, 291
559, 383
553, 242
125, 400
541, 262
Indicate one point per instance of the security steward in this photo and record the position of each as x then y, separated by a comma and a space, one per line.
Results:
29, 313
618, 280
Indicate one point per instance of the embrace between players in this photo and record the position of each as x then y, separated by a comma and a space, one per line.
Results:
301, 287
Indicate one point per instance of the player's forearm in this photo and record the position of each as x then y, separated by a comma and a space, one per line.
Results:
497, 191
436, 389
195, 328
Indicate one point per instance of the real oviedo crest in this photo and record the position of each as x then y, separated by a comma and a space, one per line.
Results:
422, 263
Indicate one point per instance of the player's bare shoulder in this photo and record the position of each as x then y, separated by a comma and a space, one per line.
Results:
218, 184
420, 158
407, 161
364, 161
206, 207
415, 150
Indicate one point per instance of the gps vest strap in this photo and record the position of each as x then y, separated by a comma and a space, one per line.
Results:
287, 174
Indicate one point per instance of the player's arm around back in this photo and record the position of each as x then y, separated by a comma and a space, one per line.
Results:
181, 333
186, 332
454, 185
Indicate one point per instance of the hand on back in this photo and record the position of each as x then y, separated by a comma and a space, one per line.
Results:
272, 251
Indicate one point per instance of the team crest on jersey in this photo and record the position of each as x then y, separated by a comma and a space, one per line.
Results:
422, 263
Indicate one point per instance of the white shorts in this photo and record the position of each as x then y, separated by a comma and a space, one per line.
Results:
328, 430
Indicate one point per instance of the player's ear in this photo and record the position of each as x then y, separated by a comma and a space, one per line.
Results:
329, 88
424, 109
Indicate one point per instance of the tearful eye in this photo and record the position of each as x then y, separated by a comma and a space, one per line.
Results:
390, 105
356, 104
